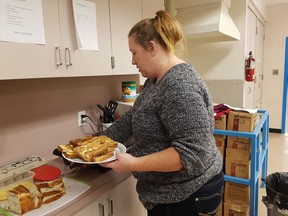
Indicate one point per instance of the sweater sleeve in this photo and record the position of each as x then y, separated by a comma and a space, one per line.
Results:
186, 112
121, 129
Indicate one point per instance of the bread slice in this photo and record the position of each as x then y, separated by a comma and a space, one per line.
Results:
37, 196
20, 200
103, 157
68, 150
50, 184
51, 190
53, 197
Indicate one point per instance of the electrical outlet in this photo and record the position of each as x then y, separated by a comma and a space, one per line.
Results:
275, 71
81, 121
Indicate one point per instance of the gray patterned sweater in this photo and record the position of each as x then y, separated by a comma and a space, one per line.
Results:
176, 111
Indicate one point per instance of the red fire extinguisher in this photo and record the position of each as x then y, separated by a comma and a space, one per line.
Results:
249, 68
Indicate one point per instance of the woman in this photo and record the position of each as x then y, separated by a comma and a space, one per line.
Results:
174, 159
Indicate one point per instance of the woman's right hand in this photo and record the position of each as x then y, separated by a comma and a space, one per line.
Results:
123, 163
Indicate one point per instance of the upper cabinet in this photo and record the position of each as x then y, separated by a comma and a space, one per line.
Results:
123, 15
77, 62
150, 7
20, 60
59, 56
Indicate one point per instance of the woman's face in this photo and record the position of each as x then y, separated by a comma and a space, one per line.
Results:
140, 57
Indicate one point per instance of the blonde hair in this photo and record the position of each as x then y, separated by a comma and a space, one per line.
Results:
164, 28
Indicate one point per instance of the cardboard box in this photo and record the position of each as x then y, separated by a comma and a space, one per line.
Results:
220, 141
241, 143
237, 193
237, 167
237, 154
242, 121
221, 123
234, 209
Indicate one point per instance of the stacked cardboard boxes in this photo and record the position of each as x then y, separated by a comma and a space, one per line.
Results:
237, 163
220, 140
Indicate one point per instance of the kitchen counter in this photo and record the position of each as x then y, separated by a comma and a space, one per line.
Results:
99, 181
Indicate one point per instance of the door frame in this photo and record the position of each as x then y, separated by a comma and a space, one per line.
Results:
284, 101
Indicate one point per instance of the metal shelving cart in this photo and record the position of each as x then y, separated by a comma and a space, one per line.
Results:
259, 158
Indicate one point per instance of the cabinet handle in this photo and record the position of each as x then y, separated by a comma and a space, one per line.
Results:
101, 209
68, 57
110, 207
58, 56
113, 62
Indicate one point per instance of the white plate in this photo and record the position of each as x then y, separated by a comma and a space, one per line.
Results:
120, 148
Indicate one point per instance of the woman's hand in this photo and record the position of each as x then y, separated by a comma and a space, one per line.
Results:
124, 163
167, 160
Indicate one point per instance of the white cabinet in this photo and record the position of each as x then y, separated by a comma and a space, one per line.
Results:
96, 208
40, 61
150, 7
59, 57
121, 200
20, 60
124, 15
84, 63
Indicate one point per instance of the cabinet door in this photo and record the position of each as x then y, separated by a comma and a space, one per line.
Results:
86, 63
259, 62
150, 7
95, 208
20, 60
123, 200
124, 15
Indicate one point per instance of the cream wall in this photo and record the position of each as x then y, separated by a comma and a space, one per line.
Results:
220, 59
37, 115
275, 32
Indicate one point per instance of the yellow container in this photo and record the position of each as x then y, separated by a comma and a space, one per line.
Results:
129, 91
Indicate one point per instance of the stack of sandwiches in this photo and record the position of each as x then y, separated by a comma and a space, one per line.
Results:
51, 190
22, 200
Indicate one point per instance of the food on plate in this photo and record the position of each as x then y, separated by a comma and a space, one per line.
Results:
90, 149
80, 141
20, 200
51, 190
103, 157
68, 150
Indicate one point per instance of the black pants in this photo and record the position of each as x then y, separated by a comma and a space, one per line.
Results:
205, 201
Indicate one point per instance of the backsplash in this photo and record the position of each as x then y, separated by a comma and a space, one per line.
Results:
36, 115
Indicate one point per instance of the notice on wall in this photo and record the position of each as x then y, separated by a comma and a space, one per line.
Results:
22, 21
85, 25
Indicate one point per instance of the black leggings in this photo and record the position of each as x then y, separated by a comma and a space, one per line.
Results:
205, 201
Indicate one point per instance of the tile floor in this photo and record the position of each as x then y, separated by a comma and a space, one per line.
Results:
277, 161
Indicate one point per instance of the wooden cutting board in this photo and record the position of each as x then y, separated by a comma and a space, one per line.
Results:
73, 189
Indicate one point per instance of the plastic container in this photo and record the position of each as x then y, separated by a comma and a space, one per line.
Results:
105, 126
128, 91
17, 179
25, 179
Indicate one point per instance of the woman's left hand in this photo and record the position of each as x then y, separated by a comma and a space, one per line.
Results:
123, 163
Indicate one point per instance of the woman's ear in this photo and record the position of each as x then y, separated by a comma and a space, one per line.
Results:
152, 48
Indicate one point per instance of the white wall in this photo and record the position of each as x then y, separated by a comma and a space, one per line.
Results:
275, 32
222, 60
